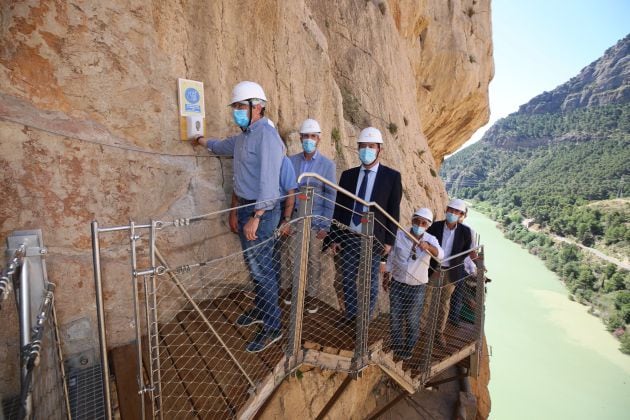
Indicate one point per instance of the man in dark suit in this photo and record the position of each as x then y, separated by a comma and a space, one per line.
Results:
454, 238
371, 181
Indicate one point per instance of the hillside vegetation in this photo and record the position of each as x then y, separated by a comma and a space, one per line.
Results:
564, 170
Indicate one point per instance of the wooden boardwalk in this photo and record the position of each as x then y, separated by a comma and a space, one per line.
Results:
200, 380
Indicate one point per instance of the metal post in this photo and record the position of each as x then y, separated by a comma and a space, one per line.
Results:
25, 331
100, 317
363, 291
152, 326
479, 313
136, 313
298, 289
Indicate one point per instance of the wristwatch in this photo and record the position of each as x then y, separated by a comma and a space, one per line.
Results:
286, 218
257, 216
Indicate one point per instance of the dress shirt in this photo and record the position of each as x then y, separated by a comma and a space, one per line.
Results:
288, 179
324, 200
447, 244
368, 190
403, 267
258, 153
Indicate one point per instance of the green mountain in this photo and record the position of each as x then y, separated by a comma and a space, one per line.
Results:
563, 162
561, 150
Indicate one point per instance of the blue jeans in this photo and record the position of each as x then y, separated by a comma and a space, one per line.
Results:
260, 261
405, 307
350, 256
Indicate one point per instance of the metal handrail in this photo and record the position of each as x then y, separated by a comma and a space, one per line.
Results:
377, 206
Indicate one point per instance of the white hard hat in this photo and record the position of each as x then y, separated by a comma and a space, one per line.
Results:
457, 204
247, 90
310, 126
370, 135
425, 213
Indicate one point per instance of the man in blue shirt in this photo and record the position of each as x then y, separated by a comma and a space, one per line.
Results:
311, 160
258, 152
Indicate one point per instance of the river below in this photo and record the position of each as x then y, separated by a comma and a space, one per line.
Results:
550, 359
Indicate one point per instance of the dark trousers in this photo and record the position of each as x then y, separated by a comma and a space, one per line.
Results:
350, 257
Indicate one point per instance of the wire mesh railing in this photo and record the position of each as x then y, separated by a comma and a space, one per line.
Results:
216, 332
30, 320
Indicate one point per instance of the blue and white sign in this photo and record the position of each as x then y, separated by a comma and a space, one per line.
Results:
192, 95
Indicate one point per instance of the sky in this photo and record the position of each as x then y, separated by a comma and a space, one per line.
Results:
540, 44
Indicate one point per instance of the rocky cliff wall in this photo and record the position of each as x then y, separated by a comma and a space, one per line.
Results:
89, 119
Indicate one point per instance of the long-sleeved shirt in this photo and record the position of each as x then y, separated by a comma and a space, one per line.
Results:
258, 153
401, 264
324, 201
288, 179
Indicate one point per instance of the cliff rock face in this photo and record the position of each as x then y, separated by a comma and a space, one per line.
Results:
89, 119
604, 81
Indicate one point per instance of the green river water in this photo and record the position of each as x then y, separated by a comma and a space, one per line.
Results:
549, 359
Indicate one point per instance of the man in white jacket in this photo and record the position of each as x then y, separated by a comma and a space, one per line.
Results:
406, 275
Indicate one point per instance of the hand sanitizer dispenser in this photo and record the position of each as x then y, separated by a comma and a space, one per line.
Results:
194, 126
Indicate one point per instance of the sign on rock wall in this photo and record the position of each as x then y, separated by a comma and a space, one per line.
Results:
192, 111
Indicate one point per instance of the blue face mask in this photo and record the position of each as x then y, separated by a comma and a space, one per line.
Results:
417, 230
451, 218
367, 155
240, 117
309, 145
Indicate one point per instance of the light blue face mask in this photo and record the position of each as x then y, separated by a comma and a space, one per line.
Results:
367, 155
240, 117
451, 218
309, 145
417, 230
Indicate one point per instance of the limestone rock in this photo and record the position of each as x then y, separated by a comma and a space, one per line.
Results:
89, 119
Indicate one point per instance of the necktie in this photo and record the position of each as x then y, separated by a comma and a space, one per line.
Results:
358, 207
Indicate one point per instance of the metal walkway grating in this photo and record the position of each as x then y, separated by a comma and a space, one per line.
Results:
85, 388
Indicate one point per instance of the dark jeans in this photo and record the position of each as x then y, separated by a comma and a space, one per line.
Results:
350, 255
457, 302
405, 307
259, 256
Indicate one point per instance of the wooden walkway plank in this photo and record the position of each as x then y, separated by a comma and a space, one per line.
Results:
198, 381
176, 400
125, 370
232, 383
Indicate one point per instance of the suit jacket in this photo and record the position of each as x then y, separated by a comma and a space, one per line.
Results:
461, 242
387, 192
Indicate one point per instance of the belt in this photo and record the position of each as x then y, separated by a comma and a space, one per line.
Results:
243, 201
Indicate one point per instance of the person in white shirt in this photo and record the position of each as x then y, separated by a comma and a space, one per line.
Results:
406, 275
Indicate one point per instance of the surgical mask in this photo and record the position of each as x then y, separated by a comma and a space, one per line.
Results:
367, 155
451, 218
240, 117
417, 230
309, 145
